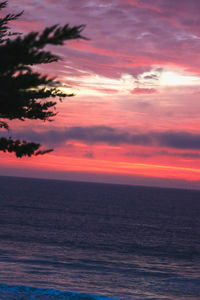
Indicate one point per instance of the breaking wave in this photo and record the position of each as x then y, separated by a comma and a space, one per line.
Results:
18, 292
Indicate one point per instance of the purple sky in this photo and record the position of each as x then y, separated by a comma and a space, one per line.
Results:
135, 117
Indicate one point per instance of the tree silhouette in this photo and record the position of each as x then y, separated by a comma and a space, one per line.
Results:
24, 93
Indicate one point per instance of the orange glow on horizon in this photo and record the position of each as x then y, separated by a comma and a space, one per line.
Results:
63, 163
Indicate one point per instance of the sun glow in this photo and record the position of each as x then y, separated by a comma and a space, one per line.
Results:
169, 78
97, 85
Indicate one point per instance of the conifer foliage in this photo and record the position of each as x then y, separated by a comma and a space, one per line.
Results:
25, 93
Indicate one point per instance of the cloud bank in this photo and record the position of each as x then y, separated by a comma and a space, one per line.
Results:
112, 136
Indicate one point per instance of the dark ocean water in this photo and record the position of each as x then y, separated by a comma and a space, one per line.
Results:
115, 241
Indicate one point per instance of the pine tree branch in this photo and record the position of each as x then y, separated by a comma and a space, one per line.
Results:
4, 125
20, 148
24, 93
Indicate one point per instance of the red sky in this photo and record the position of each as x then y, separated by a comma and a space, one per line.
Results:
136, 114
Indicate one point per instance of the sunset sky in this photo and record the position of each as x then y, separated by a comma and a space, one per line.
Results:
135, 118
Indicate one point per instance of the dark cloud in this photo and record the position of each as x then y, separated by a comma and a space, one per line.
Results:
112, 136
186, 155
88, 134
179, 140
189, 155
151, 77
89, 154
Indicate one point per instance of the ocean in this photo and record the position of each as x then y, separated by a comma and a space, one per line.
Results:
77, 240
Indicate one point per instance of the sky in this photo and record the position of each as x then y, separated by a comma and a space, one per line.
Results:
136, 113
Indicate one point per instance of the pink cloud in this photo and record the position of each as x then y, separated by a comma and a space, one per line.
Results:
106, 91
124, 34
143, 91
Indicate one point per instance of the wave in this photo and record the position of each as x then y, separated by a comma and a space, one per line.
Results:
18, 292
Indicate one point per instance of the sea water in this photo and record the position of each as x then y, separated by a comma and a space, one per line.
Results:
73, 240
